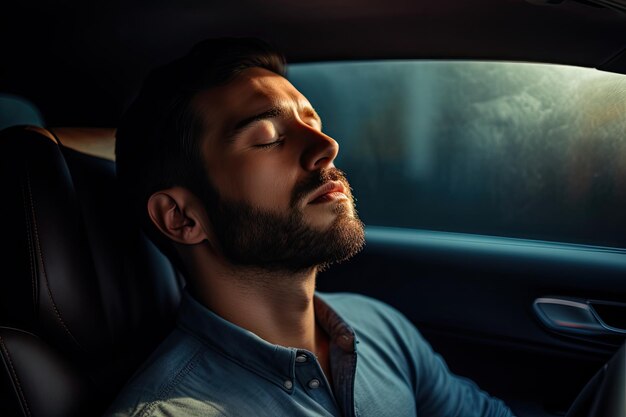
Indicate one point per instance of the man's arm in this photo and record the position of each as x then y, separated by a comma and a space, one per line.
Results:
441, 393
438, 392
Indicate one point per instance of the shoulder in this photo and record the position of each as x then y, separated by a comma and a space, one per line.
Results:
173, 360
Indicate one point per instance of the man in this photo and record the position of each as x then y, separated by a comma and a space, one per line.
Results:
229, 170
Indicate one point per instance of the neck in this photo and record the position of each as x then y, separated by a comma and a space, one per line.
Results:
275, 305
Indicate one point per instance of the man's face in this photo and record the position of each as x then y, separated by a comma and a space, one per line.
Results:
274, 196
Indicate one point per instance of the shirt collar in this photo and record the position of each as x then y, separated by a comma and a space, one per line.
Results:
273, 362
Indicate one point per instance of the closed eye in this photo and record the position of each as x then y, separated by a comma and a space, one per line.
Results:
271, 144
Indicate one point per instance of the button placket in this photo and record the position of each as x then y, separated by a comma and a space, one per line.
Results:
312, 381
309, 372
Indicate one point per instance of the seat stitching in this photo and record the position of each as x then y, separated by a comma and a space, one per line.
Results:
43, 266
31, 260
14, 374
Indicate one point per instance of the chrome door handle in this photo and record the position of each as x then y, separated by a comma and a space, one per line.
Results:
572, 316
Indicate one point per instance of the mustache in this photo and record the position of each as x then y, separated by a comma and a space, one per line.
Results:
312, 183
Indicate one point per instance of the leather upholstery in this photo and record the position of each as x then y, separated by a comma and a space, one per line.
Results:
46, 383
78, 274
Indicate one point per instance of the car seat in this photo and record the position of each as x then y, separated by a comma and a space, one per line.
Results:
84, 295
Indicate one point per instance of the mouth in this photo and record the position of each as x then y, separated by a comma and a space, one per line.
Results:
330, 191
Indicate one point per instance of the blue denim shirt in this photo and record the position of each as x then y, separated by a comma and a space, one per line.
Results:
380, 365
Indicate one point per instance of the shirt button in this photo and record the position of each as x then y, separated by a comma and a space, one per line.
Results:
288, 384
314, 383
301, 358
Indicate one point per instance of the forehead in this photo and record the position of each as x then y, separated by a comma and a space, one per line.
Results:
252, 91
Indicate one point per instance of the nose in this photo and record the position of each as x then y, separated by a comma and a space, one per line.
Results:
320, 150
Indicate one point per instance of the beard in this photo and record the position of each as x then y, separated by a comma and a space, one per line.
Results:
252, 237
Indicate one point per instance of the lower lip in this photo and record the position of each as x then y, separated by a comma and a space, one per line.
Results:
326, 198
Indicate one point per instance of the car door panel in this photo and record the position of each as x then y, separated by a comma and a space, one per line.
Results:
472, 298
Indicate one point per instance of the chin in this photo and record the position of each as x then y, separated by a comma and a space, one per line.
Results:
330, 219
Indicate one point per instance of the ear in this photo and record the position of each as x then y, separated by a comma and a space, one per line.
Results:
176, 212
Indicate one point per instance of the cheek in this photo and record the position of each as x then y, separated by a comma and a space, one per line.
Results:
263, 183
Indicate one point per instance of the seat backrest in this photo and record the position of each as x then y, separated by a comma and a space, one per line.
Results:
84, 296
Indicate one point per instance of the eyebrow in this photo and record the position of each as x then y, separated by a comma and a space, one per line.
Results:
271, 113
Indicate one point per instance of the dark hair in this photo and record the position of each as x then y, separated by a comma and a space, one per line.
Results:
157, 141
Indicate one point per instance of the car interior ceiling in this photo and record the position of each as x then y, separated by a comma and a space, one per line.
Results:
81, 63
85, 296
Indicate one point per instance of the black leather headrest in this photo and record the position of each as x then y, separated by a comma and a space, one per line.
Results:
78, 272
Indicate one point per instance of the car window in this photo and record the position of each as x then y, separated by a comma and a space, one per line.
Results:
510, 149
